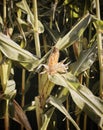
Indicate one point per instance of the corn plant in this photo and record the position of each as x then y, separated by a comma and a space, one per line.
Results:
59, 45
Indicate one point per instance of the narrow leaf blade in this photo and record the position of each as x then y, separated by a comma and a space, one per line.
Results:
74, 33
14, 52
58, 104
47, 116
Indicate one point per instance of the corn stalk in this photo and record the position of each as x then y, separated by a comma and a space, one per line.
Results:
100, 49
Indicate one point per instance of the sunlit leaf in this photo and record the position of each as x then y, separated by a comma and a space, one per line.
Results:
10, 91
61, 79
1, 21
98, 23
30, 107
74, 11
21, 21
75, 33
5, 70
14, 52
66, 2
82, 96
58, 79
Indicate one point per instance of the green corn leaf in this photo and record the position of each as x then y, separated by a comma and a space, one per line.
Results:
10, 91
82, 96
90, 104
5, 70
61, 80
98, 24
29, 107
1, 21
75, 33
14, 52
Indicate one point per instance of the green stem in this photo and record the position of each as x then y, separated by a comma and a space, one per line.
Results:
36, 31
100, 49
38, 53
38, 112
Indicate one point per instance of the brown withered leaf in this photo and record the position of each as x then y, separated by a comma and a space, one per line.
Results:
20, 116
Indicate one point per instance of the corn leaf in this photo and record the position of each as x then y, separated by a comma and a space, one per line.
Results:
47, 116
98, 23
75, 33
24, 6
5, 69
14, 52
10, 89
58, 104
92, 105
29, 107
82, 96
85, 60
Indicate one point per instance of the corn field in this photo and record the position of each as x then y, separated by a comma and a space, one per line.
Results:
51, 65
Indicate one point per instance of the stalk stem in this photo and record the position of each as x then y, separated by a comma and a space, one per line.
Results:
23, 88
100, 50
36, 31
38, 53
6, 119
23, 94
4, 11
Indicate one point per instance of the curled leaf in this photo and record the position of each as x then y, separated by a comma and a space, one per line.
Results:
24, 6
